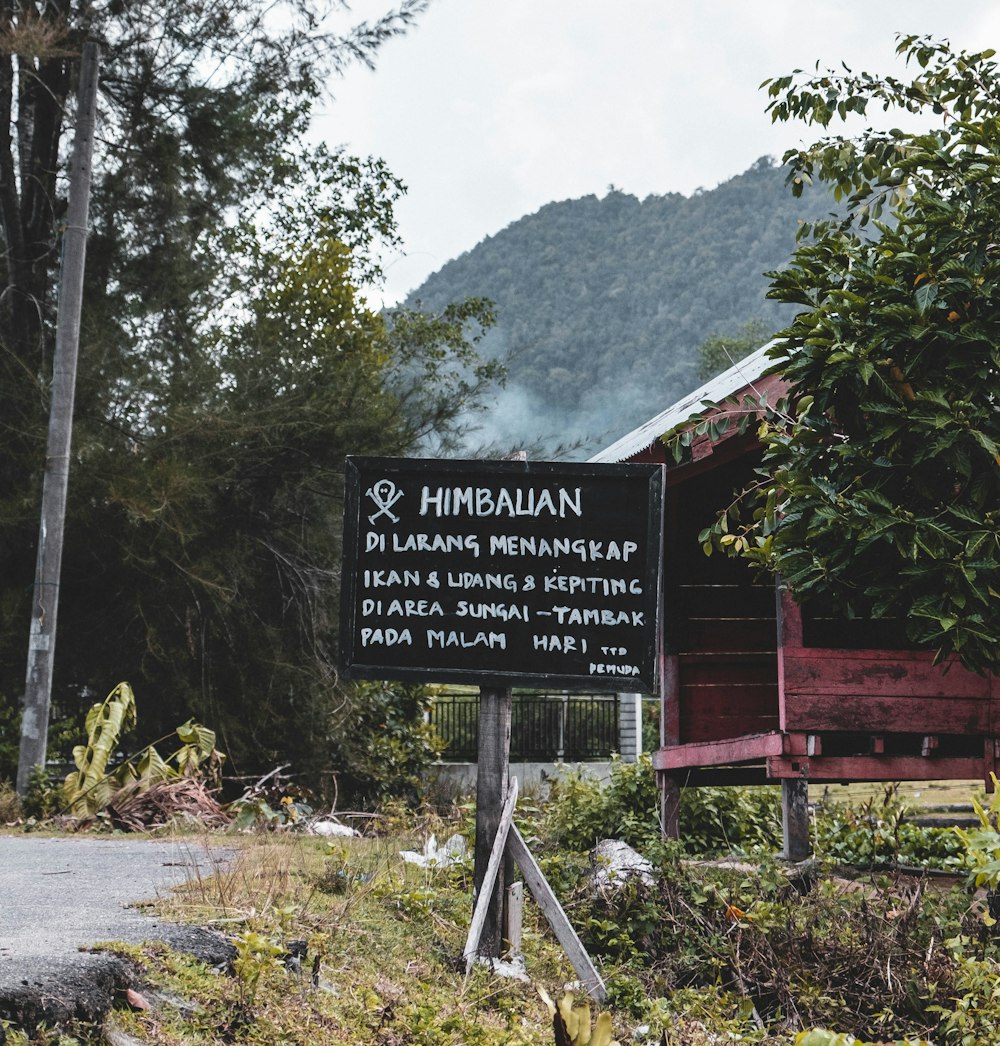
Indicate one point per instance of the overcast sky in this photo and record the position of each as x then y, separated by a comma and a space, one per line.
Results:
488, 110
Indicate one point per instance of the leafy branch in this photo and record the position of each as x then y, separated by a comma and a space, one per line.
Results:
878, 490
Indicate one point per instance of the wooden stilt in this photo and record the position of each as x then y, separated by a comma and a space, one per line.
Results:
795, 818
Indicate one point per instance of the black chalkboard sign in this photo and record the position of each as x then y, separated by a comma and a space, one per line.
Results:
507, 573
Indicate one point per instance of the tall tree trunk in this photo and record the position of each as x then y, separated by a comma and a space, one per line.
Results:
29, 159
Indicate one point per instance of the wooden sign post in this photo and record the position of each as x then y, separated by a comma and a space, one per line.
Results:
510, 839
485, 888
492, 783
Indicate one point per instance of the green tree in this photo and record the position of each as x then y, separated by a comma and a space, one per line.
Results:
205, 543
880, 486
719, 352
228, 365
198, 104
203, 556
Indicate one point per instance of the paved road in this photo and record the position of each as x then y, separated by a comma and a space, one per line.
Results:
60, 895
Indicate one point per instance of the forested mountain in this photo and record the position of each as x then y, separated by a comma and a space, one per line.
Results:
602, 303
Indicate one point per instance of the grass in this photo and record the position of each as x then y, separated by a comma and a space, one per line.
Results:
384, 938
383, 943
919, 795
706, 956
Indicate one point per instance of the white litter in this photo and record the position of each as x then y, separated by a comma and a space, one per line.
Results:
454, 851
332, 828
512, 968
615, 863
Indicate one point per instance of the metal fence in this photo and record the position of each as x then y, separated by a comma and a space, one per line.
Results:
544, 727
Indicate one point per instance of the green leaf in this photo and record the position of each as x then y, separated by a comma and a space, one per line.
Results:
86, 790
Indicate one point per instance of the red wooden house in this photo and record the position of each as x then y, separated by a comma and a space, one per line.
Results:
756, 689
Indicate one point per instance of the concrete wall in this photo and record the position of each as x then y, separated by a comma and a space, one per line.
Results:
455, 780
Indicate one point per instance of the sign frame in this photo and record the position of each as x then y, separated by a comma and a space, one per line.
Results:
646, 481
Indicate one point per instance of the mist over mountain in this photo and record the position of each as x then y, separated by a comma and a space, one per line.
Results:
603, 302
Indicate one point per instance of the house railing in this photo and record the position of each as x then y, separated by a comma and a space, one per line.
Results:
544, 727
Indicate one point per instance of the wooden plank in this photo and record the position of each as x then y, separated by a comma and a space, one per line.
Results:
696, 777
918, 657
881, 714
725, 633
486, 888
789, 628
725, 713
854, 634
515, 917
704, 600
589, 977
697, 730
741, 669
733, 750
755, 698
692, 567
796, 744
670, 734
670, 697
701, 447
878, 672
491, 788
789, 618
707, 731
875, 768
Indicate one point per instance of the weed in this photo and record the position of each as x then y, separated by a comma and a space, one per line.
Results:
982, 846
705, 954
43, 799
89, 790
731, 820
875, 835
77, 1033
256, 954
10, 804
580, 811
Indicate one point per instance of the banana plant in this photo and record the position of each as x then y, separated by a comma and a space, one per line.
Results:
90, 787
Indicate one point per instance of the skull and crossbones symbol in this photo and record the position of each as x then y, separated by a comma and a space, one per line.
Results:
385, 494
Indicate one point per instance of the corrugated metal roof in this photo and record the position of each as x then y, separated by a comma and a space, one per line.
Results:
725, 384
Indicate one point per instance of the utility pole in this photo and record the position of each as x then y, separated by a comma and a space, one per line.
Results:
45, 596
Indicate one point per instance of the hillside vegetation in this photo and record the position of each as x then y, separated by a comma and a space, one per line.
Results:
602, 303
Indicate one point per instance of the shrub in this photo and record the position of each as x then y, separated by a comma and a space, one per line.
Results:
10, 804
726, 820
876, 835
581, 811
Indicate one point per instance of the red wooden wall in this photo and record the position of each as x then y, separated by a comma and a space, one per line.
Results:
754, 690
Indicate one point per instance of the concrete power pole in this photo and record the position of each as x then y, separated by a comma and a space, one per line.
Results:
45, 596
